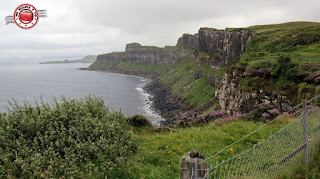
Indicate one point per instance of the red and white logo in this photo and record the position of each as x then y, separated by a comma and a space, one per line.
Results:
26, 16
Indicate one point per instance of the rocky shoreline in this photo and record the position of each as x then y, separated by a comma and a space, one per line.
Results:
163, 102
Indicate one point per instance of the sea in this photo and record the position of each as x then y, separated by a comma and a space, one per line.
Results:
32, 81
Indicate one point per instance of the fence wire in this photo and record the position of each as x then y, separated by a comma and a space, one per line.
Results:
293, 146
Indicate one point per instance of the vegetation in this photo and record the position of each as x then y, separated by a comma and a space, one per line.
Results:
190, 82
138, 121
159, 69
311, 172
81, 138
298, 40
285, 71
128, 67
285, 50
72, 138
158, 154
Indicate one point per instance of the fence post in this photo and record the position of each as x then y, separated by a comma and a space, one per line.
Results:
190, 168
305, 132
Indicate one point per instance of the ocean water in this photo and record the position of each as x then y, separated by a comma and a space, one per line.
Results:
29, 81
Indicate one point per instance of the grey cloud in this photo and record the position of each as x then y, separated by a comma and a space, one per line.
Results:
81, 27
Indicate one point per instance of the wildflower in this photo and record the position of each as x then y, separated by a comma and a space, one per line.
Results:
216, 113
230, 150
238, 115
274, 111
265, 115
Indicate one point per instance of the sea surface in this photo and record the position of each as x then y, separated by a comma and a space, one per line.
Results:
30, 80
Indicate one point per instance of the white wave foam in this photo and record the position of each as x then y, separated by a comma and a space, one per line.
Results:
147, 109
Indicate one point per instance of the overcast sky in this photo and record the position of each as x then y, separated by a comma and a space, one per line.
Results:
76, 28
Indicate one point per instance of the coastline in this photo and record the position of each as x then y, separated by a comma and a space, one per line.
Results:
147, 94
165, 103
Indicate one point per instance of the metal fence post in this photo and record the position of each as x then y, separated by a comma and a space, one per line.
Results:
305, 132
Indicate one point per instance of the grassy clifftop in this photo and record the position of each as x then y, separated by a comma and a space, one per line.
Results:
299, 40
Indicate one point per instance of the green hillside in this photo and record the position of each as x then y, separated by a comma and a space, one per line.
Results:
298, 41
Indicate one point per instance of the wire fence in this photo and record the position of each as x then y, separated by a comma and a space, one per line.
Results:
293, 146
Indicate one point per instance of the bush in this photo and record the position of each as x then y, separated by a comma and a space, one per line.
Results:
139, 121
285, 71
306, 91
72, 138
262, 63
263, 112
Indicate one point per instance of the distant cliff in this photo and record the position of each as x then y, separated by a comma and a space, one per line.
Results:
217, 46
86, 59
223, 46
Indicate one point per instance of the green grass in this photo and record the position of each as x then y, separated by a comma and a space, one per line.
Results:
183, 82
102, 64
199, 92
311, 172
299, 40
128, 67
274, 27
159, 69
158, 154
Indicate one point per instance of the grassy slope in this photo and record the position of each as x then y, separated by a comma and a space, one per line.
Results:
158, 69
125, 67
312, 172
183, 82
158, 154
299, 40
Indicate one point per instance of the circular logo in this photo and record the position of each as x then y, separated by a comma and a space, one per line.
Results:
26, 16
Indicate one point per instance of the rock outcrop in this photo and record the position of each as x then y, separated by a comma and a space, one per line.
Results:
222, 46
136, 53
217, 47
233, 100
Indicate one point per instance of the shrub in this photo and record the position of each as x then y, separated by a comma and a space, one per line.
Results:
262, 63
139, 121
306, 91
285, 71
67, 139
260, 112
216, 114
183, 124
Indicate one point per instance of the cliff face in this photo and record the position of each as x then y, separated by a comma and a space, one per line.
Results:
148, 54
207, 49
233, 100
135, 53
222, 47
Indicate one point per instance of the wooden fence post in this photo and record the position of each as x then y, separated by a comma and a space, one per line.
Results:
193, 166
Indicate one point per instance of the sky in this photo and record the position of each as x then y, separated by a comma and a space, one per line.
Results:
75, 28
